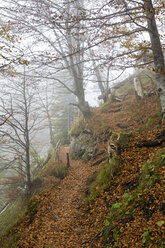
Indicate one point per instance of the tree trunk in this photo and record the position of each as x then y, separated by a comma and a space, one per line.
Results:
76, 58
157, 51
28, 174
27, 141
46, 106
82, 104
51, 130
104, 92
85, 109
160, 81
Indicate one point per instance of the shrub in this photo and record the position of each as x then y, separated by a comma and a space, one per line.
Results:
59, 171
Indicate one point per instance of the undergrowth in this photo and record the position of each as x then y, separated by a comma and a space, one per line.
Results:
59, 171
11, 216
29, 209
32, 208
139, 199
19, 208
103, 107
14, 213
12, 242
104, 178
77, 127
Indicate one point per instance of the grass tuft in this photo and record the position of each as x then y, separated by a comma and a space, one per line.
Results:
59, 171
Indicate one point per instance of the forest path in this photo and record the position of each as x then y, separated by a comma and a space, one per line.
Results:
56, 224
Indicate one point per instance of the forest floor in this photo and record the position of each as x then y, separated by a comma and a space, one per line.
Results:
62, 218
57, 222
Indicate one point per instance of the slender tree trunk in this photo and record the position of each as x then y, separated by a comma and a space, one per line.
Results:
51, 133
27, 141
28, 174
157, 51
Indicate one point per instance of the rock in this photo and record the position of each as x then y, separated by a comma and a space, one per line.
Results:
83, 146
113, 145
117, 142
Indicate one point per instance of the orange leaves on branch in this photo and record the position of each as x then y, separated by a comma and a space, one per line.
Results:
159, 71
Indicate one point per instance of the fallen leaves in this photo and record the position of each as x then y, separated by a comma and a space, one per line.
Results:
58, 217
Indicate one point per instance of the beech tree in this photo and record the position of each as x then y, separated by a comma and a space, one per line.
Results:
149, 12
16, 133
60, 32
124, 23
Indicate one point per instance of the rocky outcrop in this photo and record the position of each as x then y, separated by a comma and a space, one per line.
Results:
83, 146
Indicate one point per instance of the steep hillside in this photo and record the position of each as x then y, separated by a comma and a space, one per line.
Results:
115, 198
130, 198
128, 193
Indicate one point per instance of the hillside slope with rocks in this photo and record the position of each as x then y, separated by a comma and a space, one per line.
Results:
113, 194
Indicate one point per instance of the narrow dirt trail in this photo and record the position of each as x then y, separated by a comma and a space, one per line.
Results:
56, 223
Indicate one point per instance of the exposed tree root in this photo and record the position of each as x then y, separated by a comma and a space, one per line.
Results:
99, 161
152, 143
91, 239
